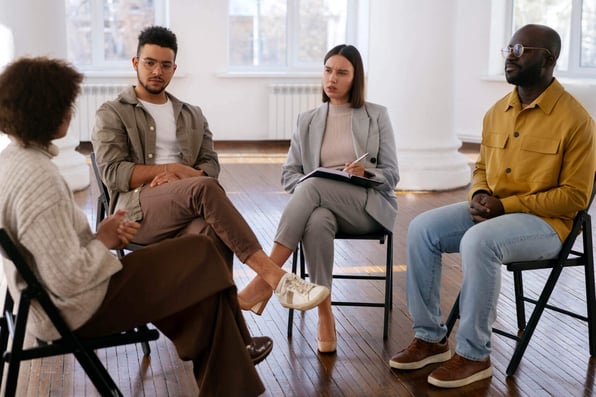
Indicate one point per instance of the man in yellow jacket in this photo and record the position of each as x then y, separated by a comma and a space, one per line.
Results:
534, 173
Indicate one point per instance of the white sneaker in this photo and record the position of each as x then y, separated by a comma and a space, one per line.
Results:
296, 293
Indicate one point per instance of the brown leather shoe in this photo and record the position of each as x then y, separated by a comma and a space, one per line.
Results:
421, 353
260, 348
460, 371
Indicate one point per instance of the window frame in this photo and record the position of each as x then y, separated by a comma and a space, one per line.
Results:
356, 34
98, 61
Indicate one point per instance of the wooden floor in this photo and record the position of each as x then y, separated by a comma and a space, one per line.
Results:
557, 361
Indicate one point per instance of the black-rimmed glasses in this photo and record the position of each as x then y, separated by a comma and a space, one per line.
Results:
517, 50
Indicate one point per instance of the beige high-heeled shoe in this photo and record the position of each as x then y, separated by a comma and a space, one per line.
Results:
328, 346
256, 306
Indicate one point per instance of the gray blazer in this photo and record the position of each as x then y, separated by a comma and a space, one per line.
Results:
372, 133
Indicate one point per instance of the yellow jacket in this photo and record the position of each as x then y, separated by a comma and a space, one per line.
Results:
540, 160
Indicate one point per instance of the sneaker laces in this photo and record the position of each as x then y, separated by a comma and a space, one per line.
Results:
298, 285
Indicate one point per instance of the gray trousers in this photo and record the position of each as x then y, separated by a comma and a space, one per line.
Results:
317, 210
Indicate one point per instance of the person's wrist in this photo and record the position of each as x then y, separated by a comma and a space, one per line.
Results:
480, 192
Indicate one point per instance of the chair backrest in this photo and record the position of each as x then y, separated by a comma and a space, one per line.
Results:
103, 200
16, 325
11, 252
103, 205
34, 289
593, 194
579, 222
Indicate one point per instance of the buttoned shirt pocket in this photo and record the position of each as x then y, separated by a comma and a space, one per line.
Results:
539, 160
494, 146
495, 141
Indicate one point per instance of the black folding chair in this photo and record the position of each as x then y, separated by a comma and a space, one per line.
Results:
14, 325
381, 236
568, 257
103, 205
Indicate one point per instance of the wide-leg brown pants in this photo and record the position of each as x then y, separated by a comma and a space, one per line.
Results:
196, 205
182, 287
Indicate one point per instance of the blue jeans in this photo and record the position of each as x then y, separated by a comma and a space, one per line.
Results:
484, 247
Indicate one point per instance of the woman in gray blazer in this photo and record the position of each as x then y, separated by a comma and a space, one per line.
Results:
334, 135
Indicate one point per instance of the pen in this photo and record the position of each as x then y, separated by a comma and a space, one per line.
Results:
358, 159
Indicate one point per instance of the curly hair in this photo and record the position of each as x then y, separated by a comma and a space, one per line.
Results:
36, 96
352, 54
160, 36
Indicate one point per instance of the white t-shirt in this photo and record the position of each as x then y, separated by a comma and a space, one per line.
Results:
167, 149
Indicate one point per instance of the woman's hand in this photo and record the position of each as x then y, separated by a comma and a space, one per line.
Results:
116, 232
354, 168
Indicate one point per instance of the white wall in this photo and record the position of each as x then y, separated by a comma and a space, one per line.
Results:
39, 29
473, 91
6, 55
237, 107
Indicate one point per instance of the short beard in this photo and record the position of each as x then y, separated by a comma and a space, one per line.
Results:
528, 77
152, 91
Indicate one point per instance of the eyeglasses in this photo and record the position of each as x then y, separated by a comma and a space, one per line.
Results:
517, 50
150, 64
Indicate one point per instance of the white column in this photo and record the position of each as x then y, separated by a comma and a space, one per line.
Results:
411, 72
39, 29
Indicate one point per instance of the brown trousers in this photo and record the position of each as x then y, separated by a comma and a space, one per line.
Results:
182, 287
196, 206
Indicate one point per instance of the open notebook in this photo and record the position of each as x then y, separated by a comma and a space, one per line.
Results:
339, 175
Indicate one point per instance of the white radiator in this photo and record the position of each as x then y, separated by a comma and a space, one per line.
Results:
91, 97
285, 102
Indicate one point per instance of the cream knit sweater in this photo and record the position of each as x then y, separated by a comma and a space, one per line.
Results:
38, 211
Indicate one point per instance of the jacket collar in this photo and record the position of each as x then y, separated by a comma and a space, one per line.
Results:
129, 96
545, 101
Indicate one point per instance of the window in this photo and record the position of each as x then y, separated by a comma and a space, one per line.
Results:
574, 20
102, 34
288, 35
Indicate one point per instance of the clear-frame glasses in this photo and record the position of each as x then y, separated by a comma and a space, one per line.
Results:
517, 50
150, 64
